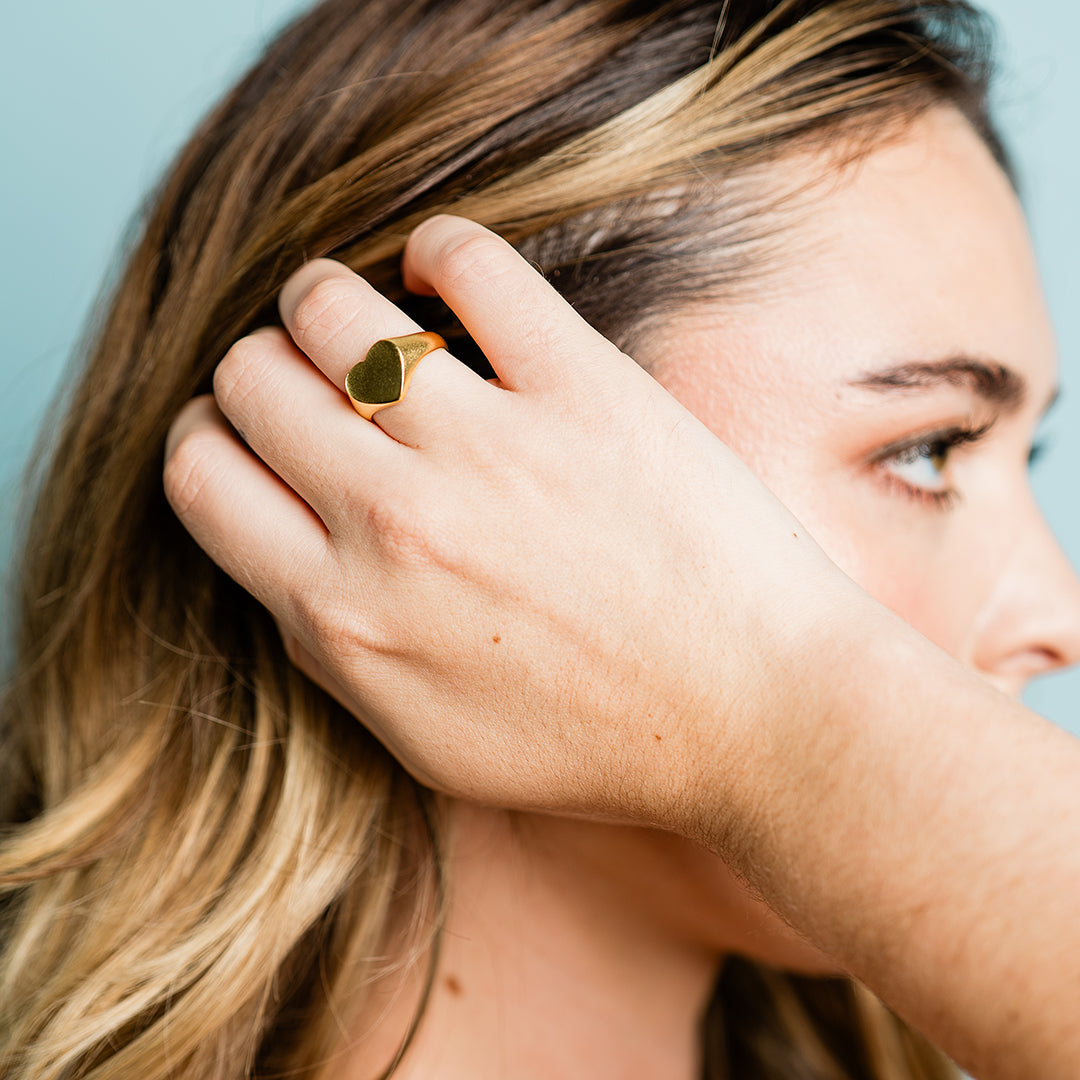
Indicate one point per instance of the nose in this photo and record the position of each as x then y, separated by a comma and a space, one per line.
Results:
1030, 624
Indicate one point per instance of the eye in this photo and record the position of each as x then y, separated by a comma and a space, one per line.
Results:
918, 467
921, 466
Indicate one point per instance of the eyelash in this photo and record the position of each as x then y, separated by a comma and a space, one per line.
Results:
933, 445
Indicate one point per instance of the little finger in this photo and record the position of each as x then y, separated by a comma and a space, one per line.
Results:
252, 524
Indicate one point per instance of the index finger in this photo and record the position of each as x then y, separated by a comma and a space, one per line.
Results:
531, 336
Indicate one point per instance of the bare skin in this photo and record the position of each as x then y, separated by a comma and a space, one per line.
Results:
925, 866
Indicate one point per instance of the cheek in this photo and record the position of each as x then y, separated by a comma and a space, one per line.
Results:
925, 565
935, 569
906, 559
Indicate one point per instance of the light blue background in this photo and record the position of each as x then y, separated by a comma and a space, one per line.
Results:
97, 96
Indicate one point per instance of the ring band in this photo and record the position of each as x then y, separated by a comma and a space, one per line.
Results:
383, 376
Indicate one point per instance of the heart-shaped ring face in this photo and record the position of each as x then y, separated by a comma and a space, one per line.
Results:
382, 377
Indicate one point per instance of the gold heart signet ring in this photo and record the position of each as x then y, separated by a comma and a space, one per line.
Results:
382, 377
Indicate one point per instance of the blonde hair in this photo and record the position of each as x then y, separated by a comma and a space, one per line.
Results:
206, 863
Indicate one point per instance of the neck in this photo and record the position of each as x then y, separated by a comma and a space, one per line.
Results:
551, 966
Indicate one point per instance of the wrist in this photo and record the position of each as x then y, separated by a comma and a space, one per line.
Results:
764, 702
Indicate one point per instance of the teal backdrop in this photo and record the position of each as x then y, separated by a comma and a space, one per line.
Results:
98, 96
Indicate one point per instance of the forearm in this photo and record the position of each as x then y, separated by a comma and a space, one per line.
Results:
940, 859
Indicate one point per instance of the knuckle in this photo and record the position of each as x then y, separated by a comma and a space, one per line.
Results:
314, 619
341, 625
469, 259
340, 629
188, 473
240, 371
324, 312
399, 531
408, 534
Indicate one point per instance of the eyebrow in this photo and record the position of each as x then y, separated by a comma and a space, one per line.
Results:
993, 382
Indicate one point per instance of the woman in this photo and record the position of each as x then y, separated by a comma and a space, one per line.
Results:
216, 871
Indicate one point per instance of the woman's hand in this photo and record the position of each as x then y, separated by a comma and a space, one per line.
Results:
540, 593
562, 593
